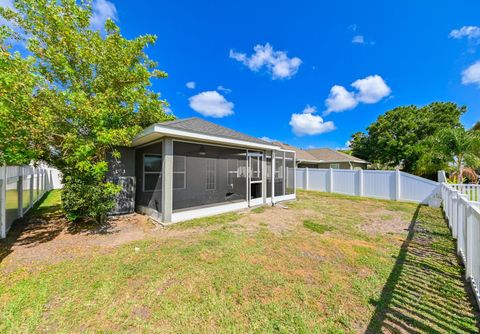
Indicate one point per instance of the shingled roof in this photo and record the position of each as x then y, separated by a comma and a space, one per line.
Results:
301, 155
198, 125
327, 155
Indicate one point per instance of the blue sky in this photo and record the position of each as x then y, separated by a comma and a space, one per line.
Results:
307, 54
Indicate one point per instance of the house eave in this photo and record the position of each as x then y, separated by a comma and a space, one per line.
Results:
156, 131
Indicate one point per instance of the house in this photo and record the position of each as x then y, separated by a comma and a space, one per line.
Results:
323, 158
338, 160
190, 168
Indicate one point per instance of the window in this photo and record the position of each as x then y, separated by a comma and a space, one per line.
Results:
210, 173
335, 166
179, 172
152, 172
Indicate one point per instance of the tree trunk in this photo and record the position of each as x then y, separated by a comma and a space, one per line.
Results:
460, 170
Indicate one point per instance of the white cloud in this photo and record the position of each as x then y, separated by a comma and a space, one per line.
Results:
339, 100
191, 84
470, 32
211, 104
307, 123
371, 89
102, 10
471, 75
168, 110
309, 109
346, 146
277, 63
224, 89
267, 139
358, 39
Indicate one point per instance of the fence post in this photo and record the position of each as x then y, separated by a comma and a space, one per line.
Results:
32, 174
460, 218
20, 191
38, 184
398, 191
3, 207
441, 177
469, 244
454, 217
306, 179
360, 182
330, 180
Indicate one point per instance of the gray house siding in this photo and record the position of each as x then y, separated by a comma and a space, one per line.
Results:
122, 172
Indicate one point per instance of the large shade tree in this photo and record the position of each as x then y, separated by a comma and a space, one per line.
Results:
393, 140
21, 104
97, 94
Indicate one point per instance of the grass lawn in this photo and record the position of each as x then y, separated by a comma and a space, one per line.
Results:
325, 264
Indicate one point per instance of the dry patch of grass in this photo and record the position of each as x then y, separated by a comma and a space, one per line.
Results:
313, 267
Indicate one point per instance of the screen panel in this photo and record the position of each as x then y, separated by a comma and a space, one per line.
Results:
279, 174
289, 173
213, 175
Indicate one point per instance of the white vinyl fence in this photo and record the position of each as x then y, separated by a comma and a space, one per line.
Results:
392, 185
20, 188
463, 217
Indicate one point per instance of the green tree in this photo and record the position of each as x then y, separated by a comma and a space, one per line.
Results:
454, 149
20, 107
98, 95
393, 139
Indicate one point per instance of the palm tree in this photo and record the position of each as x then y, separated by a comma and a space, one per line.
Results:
451, 147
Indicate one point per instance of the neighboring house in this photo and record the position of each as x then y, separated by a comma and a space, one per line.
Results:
324, 158
191, 168
333, 159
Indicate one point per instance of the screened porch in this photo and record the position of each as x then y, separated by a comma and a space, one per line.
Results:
179, 179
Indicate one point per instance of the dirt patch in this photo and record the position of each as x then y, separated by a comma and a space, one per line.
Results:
34, 240
382, 221
279, 219
142, 312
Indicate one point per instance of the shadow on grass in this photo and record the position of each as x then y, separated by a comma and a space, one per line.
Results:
37, 226
426, 291
44, 222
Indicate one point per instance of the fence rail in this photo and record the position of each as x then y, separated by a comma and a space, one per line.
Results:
463, 217
20, 188
392, 185
472, 191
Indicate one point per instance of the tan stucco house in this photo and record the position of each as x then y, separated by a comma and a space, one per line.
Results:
324, 158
